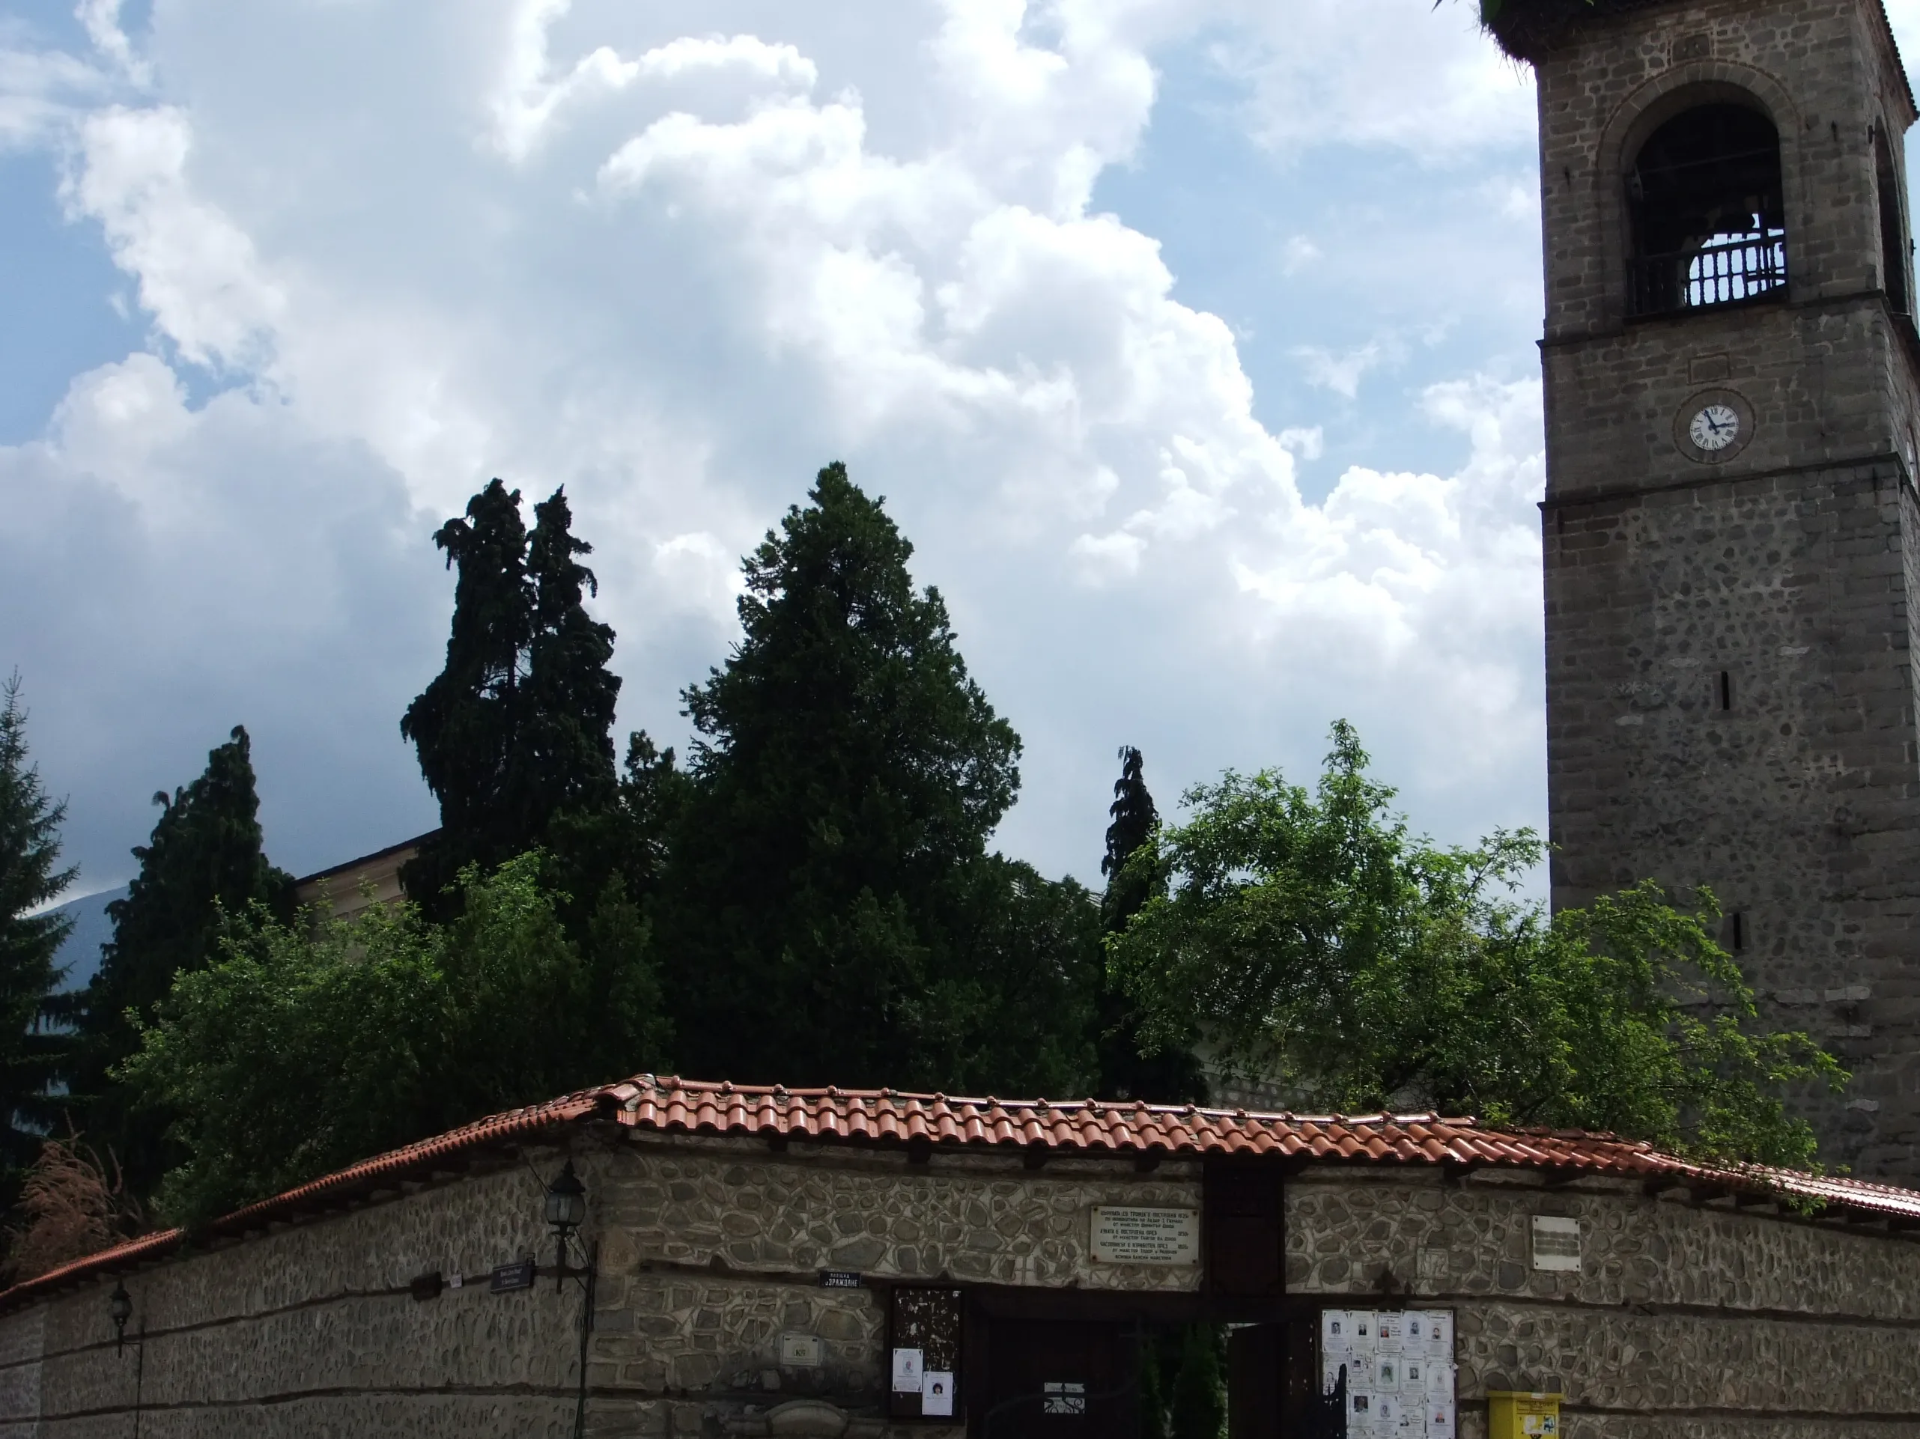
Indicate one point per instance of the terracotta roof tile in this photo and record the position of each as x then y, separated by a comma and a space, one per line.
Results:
669, 1105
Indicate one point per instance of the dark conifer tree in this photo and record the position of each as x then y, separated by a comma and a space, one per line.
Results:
570, 695
1133, 819
515, 731
205, 861
1171, 1076
1200, 1386
832, 913
30, 876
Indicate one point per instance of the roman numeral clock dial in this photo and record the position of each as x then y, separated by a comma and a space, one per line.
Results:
1714, 427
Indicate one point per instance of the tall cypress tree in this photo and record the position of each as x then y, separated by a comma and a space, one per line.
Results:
205, 860
570, 694
30, 877
848, 775
1133, 819
1170, 1076
515, 731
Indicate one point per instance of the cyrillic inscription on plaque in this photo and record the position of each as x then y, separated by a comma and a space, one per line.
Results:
1145, 1236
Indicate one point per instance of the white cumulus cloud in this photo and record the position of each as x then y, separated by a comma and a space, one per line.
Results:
675, 258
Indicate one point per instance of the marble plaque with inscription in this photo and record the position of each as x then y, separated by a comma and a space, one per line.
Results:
1124, 1235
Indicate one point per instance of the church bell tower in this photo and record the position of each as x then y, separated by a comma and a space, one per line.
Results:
1731, 524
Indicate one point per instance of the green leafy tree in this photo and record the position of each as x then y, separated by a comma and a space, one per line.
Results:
831, 913
205, 857
30, 877
313, 1043
1313, 938
1170, 1072
515, 730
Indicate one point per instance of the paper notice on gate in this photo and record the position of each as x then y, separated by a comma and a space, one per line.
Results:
1336, 1331
1389, 1330
909, 1371
936, 1393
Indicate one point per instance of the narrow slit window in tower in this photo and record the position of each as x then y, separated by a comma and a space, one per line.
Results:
1709, 226
1724, 690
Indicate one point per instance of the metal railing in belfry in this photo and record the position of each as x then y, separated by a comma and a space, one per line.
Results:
1727, 270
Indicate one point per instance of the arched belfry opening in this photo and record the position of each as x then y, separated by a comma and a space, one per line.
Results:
1708, 220
1895, 250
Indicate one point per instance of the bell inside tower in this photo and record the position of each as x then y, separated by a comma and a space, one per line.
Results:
1709, 227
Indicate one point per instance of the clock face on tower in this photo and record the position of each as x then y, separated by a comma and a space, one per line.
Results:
1714, 427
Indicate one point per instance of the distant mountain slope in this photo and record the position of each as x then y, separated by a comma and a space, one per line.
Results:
91, 929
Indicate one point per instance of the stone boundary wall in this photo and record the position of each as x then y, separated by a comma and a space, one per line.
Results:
312, 1330
762, 1226
709, 1252
1684, 1322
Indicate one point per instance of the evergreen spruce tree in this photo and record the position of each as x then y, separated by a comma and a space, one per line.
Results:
515, 731
827, 903
30, 876
204, 862
1134, 818
1199, 1409
1153, 1398
1172, 1074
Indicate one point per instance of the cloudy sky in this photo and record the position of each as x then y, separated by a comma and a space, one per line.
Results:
1191, 342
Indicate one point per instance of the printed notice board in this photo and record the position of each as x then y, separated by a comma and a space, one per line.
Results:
1394, 1368
924, 1332
1123, 1235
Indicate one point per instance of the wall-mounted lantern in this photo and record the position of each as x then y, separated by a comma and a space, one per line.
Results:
566, 1211
120, 1307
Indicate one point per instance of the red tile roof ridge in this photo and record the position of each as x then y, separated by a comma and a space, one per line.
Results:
670, 1104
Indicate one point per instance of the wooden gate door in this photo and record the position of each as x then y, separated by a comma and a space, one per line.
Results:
1050, 1379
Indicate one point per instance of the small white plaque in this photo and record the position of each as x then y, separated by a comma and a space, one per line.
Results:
1145, 1236
1556, 1243
800, 1351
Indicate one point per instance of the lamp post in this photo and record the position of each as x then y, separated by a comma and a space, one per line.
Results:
120, 1309
566, 1212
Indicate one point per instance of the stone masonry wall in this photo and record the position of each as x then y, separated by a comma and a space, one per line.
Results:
1788, 567
710, 1251
311, 1330
1797, 803
711, 1255
1683, 1323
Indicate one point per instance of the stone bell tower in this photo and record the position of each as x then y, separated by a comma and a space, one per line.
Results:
1731, 528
